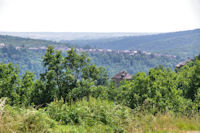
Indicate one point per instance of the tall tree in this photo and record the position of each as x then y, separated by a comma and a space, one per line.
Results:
63, 74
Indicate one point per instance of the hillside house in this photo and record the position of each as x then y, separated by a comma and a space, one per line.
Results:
43, 48
182, 63
2, 45
121, 76
18, 48
33, 48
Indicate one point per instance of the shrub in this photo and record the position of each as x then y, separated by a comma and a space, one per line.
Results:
16, 119
90, 113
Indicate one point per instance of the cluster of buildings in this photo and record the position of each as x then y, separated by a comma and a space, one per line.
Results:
129, 52
64, 49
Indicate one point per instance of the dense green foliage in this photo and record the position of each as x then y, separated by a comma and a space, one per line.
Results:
183, 44
72, 94
63, 74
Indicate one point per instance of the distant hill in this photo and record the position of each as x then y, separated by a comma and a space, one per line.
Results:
113, 61
179, 43
27, 42
184, 43
58, 36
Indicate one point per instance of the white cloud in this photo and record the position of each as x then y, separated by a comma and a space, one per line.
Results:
195, 4
98, 15
1, 4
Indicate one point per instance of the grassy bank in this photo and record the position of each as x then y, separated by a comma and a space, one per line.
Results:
92, 116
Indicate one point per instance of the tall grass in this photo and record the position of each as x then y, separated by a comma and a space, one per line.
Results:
164, 123
91, 116
17, 120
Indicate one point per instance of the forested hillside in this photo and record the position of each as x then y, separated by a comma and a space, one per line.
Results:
30, 60
27, 54
140, 62
27, 60
27, 42
184, 43
74, 95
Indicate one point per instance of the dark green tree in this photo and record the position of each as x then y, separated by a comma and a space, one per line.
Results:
63, 74
26, 88
195, 81
9, 83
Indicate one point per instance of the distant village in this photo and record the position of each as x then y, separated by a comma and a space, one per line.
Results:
96, 50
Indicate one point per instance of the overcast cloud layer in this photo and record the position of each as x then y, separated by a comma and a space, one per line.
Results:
99, 15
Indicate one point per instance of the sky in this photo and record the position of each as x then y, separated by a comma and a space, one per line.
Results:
99, 15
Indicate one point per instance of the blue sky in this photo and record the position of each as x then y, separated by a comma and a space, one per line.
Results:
99, 15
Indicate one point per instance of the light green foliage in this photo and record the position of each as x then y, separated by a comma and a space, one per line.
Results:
93, 113
22, 120
164, 123
156, 91
91, 116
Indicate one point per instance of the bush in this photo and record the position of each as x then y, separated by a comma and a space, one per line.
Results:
87, 89
92, 113
16, 119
